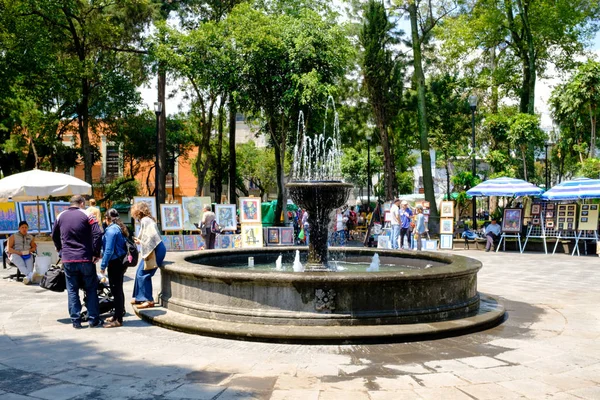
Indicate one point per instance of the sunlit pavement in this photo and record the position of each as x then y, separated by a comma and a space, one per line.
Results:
548, 348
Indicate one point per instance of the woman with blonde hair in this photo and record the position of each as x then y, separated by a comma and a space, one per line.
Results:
152, 254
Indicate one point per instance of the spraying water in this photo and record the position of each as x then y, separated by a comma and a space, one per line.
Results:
374, 267
297, 266
278, 263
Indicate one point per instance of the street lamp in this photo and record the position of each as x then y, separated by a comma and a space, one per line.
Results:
547, 144
157, 110
473, 103
369, 170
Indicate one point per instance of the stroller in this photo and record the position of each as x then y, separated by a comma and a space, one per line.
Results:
106, 300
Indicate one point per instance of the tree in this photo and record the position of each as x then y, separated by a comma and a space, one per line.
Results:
383, 74
525, 131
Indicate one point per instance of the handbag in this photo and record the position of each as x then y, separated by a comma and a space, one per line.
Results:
54, 279
150, 262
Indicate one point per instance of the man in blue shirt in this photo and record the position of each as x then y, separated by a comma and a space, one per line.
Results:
492, 233
405, 219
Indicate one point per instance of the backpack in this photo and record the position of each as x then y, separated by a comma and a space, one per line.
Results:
214, 227
54, 279
130, 258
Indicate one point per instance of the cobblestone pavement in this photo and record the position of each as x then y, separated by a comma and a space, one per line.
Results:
548, 348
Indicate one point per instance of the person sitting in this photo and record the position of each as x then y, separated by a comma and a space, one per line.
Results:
492, 234
19, 249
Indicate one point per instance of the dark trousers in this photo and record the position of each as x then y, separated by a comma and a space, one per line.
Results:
405, 232
209, 240
116, 271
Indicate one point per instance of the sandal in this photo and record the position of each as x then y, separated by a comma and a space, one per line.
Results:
146, 304
134, 301
111, 319
113, 324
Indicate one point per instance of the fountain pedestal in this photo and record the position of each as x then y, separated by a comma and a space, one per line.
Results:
319, 199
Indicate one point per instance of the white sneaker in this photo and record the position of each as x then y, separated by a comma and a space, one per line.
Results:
26, 281
36, 278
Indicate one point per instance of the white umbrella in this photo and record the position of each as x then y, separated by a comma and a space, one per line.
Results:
37, 184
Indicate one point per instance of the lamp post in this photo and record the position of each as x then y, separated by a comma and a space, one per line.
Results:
473, 103
369, 170
157, 110
547, 144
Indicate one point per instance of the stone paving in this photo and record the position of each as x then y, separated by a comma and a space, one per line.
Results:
548, 348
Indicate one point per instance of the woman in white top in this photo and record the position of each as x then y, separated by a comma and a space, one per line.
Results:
150, 241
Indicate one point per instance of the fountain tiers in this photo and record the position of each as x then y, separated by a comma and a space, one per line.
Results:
319, 198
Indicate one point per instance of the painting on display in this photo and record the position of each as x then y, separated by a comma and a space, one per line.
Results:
287, 236
198, 242
273, 236
226, 218
224, 242
447, 210
446, 226
32, 212
189, 243
588, 217
177, 243
511, 222
56, 207
446, 242
252, 235
250, 210
383, 242
9, 217
166, 241
151, 201
171, 217
536, 209
192, 212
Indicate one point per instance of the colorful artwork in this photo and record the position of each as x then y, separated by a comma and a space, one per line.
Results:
189, 244
9, 218
511, 222
35, 213
447, 226
167, 241
151, 201
171, 217
273, 236
192, 212
177, 243
226, 217
225, 242
237, 241
249, 210
252, 235
198, 242
535, 209
287, 236
56, 207
446, 242
447, 210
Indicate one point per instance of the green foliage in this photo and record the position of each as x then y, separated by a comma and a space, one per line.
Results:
354, 165
122, 189
590, 168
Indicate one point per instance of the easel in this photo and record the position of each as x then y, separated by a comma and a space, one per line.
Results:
532, 234
587, 237
503, 241
570, 234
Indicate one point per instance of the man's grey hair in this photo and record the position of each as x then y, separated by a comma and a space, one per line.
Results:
77, 200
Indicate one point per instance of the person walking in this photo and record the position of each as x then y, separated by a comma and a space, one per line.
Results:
206, 227
420, 227
405, 219
19, 248
152, 255
395, 216
78, 240
113, 251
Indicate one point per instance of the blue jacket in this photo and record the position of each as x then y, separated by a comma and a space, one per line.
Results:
76, 236
113, 245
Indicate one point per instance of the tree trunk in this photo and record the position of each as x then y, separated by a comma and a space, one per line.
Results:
422, 117
279, 162
495, 96
593, 131
523, 154
232, 155
218, 170
162, 135
389, 172
84, 134
525, 86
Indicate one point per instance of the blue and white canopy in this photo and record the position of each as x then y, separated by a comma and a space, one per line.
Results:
505, 187
581, 188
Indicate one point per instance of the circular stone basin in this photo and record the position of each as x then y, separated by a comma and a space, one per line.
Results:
202, 286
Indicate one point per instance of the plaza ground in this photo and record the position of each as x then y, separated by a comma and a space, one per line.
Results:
548, 348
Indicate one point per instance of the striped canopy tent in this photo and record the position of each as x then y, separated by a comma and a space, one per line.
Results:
505, 187
581, 188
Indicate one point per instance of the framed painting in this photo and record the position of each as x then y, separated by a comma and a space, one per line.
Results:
446, 226
192, 213
535, 209
252, 235
171, 217
189, 243
250, 210
535, 221
9, 217
226, 218
167, 241
511, 222
446, 242
177, 243
447, 210
56, 207
383, 242
287, 236
151, 201
35, 213
550, 206
198, 242
273, 236
224, 242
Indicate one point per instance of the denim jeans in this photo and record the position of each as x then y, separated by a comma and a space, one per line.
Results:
82, 275
142, 287
395, 234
